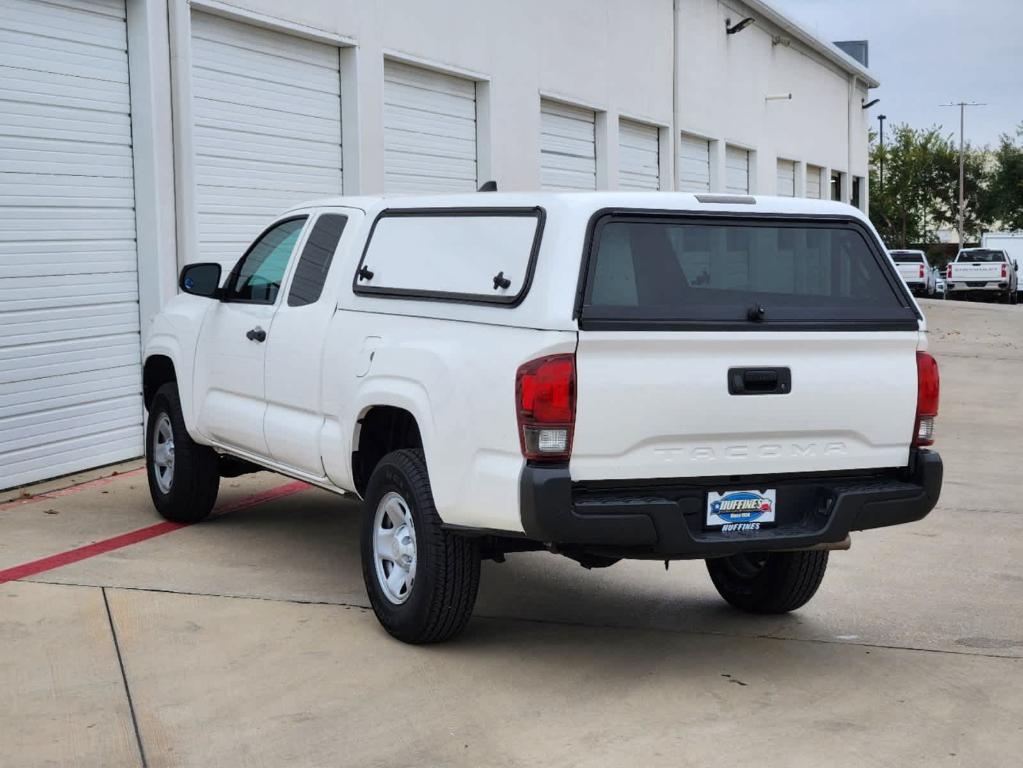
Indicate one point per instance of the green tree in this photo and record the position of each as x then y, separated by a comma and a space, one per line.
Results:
920, 193
975, 188
1005, 194
903, 206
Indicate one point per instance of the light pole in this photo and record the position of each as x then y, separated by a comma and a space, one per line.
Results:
880, 121
962, 157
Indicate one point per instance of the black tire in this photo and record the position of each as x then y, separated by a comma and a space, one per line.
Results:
195, 477
768, 582
440, 600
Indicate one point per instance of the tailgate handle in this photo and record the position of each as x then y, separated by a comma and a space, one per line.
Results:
759, 381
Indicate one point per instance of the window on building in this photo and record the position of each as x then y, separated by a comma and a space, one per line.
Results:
836, 185
857, 192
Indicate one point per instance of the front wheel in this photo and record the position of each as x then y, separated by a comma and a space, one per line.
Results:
184, 476
421, 579
768, 582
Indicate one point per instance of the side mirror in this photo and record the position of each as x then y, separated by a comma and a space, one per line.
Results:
201, 280
1015, 265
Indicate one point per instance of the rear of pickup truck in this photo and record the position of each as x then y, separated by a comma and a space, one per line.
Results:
981, 271
742, 385
914, 270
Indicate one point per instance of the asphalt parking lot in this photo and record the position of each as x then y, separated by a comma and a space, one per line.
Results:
246, 640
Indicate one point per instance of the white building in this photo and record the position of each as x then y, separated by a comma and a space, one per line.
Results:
139, 135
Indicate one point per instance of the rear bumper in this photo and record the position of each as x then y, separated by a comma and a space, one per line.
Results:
962, 286
666, 519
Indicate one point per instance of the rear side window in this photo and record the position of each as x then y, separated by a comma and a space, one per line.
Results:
754, 274
483, 255
314, 263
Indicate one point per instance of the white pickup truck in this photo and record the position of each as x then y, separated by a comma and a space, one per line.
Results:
983, 272
601, 375
915, 271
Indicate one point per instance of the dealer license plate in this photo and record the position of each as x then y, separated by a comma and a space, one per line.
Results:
741, 510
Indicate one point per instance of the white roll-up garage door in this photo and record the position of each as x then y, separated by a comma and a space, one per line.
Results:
638, 156
694, 164
786, 178
813, 181
69, 315
737, 170
429, 130
266, 108
568, 149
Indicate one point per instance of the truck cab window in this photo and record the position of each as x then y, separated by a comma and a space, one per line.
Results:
314, 263
257, 277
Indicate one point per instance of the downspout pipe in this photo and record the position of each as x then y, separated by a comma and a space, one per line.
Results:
675, 116
849, 142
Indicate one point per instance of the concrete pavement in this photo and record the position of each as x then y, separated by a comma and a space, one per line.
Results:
246, 640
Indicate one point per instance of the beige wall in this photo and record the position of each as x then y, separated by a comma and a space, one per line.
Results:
724, 79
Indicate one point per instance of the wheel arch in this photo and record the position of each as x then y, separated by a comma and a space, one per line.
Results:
157, 370
379, 429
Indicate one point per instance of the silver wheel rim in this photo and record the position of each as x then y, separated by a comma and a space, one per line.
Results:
162, 452
394, 548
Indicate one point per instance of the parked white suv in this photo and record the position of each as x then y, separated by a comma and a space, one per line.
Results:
915, 271
601, 375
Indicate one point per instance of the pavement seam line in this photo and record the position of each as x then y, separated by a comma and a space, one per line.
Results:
578, 624
124, 679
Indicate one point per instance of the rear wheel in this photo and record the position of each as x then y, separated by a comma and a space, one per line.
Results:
421, 579
184, 476
768, 582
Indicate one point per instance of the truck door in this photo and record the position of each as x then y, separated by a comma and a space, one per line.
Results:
294, 365
231, 354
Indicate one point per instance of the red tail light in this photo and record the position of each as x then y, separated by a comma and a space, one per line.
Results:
921, 270
545, 404
928, 384
1005, 271
948, 272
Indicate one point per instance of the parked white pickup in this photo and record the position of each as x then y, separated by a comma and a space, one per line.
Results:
600, 375
915, 271
983, 272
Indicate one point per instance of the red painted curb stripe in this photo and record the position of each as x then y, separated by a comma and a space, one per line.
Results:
89, 550
127, 539
70, 489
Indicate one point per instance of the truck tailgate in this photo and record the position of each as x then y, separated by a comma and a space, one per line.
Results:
658, 405
911, 272
976, 271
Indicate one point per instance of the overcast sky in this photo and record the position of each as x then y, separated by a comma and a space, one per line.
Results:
931, 52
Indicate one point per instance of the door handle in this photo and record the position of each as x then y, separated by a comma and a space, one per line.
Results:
256, 334
759, 381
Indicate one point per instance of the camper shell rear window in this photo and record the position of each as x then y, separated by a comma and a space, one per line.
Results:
907, 257
473, 255
669, 271
981, 256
